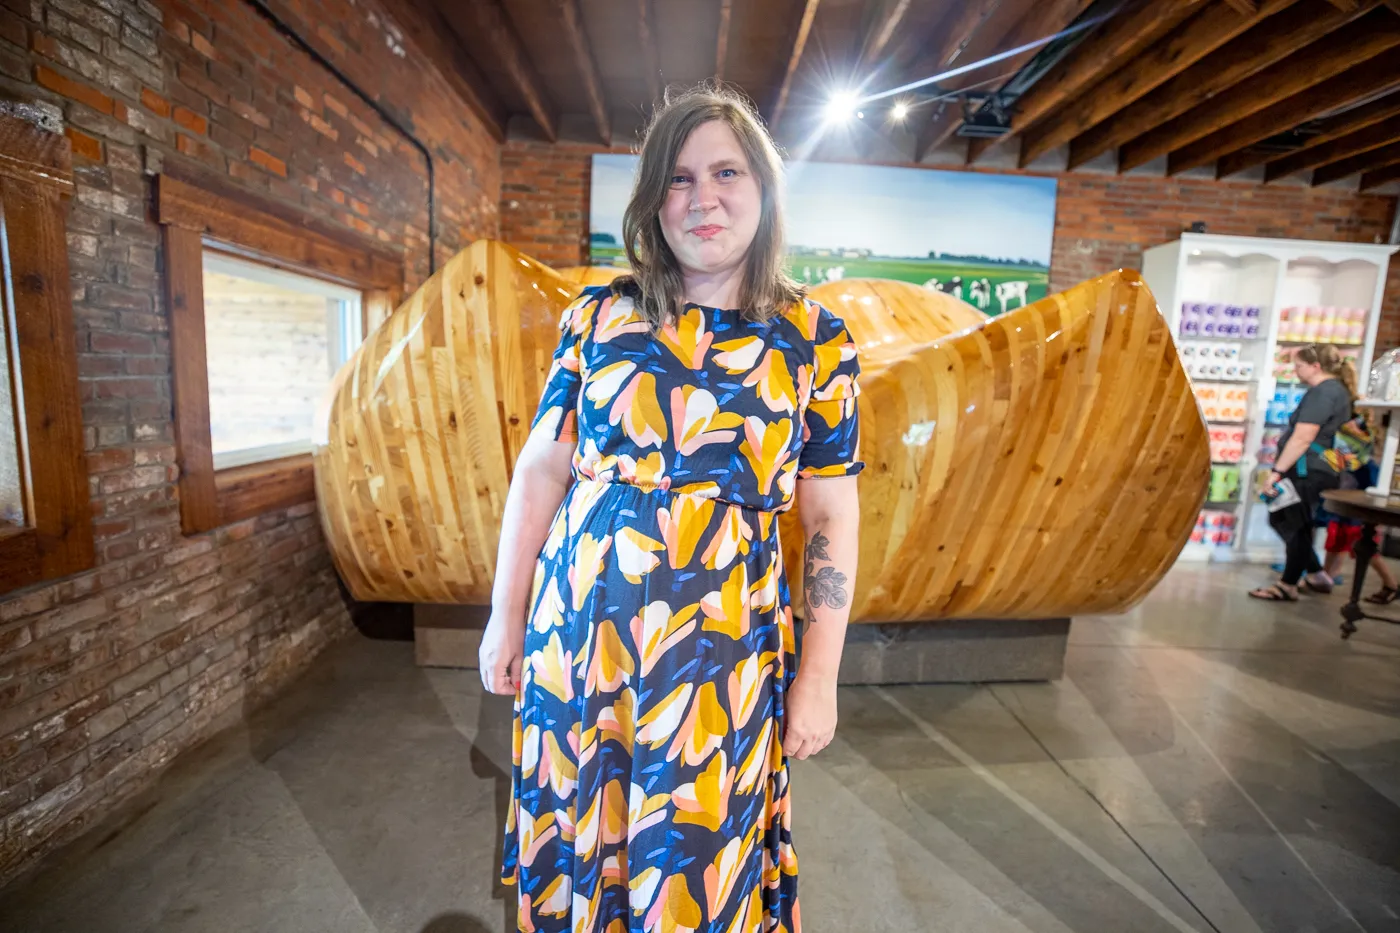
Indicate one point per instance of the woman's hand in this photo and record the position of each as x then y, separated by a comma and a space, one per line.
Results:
811, 715
502, 652
1274, 477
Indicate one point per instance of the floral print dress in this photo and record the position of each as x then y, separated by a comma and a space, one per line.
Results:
649, 784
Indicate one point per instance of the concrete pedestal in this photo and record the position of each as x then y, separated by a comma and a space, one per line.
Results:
958, 651
955, 651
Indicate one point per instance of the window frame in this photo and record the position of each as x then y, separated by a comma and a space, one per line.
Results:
199, 214
36, 179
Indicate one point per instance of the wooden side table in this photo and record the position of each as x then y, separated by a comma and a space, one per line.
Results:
1373, 512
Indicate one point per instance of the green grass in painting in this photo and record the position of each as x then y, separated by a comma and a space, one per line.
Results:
813, 269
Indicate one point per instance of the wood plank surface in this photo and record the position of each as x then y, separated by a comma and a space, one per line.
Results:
1005, 456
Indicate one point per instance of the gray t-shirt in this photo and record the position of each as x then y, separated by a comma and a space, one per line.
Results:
1327, 405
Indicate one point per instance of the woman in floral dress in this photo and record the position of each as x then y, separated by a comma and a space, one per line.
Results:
640, 612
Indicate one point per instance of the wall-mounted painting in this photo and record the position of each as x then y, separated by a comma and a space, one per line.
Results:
984, 238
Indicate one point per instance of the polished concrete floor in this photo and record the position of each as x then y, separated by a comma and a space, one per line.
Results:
1208, 763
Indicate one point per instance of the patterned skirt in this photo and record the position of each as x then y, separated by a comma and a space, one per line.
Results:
649, 789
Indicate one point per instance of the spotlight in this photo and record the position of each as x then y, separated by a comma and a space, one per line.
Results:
900, 111
860, 114
841, 107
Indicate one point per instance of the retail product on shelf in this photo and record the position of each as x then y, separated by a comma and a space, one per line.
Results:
1280, 407
1222, 403
1224, 484
1214, 527
1283, 360
1215, 360
1268, 446
1308, 324
1216, 319
1384, 384
1226, 443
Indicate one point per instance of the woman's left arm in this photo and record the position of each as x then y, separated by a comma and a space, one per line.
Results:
830, 512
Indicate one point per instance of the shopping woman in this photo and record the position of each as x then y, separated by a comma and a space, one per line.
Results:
640, 612
1308, 461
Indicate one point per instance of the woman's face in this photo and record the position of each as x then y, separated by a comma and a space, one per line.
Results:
1307, 372
712, 210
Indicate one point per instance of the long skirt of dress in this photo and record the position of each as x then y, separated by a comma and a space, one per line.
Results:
649, 786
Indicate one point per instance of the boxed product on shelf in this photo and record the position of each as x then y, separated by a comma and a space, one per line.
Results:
1214, 527
1223, 402
1268, 446
1309, 324
1212, 360
1216, 319
1224, 484
1226, 444
1280, 407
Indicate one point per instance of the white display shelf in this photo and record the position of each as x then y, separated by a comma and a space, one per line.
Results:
1271, 274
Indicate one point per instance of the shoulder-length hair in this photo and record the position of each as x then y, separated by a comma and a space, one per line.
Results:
656, 283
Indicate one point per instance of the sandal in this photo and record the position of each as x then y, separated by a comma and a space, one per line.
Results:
1274, 593
1384, 596
1322, 589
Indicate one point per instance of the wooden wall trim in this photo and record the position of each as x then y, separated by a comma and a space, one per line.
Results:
191, 214
241, 223
35, 176
184, 296
31, 155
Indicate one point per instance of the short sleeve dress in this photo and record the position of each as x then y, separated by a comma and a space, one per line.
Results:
649, 784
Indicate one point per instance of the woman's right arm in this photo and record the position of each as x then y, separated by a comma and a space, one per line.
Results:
539, 485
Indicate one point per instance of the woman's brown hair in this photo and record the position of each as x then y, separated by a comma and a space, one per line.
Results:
1333, 363
656, 282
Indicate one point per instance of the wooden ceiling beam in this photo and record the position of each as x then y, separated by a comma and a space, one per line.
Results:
1045, 18
1345, 6
1377, 178
1372, 161
1355, 84
882, 29
498, 33
1245, 7
588, 71
1343, 124
1372, 137
651, 57
1193, 139
1210, 29
799, 44
726, 10
1268, 43
1105, 50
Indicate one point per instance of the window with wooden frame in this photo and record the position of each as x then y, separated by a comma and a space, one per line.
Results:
45, 515
264, 308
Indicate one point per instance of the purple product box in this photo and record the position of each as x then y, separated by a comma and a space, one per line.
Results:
1251, 312
1212, 311
1208, 328
1250, 331
1190, 326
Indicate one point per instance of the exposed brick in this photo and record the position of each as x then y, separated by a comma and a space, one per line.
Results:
191, 120
267, 161
84, 145
155, 103
355, 164
82, 93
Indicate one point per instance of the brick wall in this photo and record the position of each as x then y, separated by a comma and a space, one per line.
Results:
106, 675
544, 200
1102, 222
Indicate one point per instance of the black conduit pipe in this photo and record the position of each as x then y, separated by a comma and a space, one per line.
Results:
281, 26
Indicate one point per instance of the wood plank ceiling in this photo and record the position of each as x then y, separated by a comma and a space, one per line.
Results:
1307, 90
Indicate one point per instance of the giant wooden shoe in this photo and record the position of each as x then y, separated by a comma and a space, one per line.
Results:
1048, 462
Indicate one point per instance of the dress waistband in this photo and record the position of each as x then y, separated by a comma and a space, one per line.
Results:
655, 490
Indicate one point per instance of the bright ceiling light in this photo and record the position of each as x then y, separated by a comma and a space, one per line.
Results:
841, 107
900, 111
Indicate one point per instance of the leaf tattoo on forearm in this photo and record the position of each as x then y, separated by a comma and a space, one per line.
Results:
824, 587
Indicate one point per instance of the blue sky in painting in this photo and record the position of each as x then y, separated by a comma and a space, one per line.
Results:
890, 211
